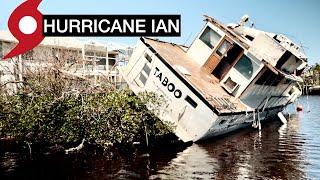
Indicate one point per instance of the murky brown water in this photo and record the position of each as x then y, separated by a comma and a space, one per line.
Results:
278, 152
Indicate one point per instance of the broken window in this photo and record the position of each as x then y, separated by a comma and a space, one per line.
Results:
224, 47
268, 78
210, 37
246, 67
230, 84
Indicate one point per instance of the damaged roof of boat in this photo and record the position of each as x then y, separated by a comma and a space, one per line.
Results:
208, 85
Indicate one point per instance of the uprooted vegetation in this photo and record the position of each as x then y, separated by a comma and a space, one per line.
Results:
51, 109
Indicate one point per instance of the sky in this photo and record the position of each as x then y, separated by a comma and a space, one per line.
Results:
297, 19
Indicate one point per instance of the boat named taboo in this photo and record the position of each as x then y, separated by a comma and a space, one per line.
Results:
230, 77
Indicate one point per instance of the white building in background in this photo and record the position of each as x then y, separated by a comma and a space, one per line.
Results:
85, 59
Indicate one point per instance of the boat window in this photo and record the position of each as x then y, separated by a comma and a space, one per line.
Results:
231, 85
210, 37
144, 75
143, 78
224, 47
146, 69
245, 67
291, 91
268, 78
148, 57
191, 101
249, 37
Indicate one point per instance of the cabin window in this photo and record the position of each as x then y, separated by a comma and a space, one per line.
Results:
143, 78
268, 78
245, 67
224, 47
291, 91
249, 37
210, 37
146, 69
148, 57
230, 84
191, 101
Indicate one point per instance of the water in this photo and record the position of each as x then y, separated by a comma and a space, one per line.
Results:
278, 152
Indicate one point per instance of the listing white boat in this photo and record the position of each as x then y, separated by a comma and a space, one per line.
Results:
231, 76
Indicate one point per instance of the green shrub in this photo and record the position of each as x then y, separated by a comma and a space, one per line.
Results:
113, 117
46, 111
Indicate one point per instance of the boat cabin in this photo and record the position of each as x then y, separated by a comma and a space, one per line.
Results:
234, 67
236, 55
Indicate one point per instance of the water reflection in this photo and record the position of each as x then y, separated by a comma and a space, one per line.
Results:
271, 154
288, 151
194, 162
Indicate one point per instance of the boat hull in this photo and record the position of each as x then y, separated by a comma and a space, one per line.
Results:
235, 122
193, 116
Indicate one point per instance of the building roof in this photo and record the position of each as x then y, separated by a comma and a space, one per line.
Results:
65, 42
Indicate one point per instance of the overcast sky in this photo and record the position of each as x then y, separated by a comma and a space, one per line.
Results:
298, 19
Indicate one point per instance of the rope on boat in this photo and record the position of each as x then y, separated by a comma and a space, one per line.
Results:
254, 122
257, 122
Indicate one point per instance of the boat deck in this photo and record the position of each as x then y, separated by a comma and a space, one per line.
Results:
207, 84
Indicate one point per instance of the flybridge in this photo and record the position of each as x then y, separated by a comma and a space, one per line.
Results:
111, 25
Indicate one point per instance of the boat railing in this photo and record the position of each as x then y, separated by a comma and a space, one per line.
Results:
223, 103
269, 100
